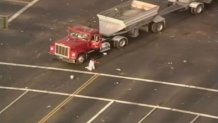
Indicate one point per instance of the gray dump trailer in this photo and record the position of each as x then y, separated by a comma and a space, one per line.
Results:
134, 15
127, 17
195, 6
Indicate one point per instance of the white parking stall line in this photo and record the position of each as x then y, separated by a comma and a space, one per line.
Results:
168, 109
67, 100
102, 110
13, 102
112, 76
22, 10
115, 101
35, 90
149, 113
195, 119
17, 1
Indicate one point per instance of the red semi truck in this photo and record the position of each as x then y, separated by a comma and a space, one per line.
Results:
78, 44
115, 24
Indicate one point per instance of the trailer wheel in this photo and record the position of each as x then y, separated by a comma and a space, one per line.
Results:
198, 10
157, 26
120, 41
81, 59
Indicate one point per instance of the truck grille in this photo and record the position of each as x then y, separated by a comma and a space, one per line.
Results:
62, 50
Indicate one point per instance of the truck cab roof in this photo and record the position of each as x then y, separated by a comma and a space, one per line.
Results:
82, 29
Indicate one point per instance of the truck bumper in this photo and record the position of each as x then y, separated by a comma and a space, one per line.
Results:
63, 58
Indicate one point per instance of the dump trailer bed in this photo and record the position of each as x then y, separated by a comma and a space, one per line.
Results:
125, 15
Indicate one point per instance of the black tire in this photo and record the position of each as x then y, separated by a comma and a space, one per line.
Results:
81, 59
121, 43
198, 10
192, 10
157, 27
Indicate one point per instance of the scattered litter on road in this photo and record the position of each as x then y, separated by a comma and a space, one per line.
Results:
71, 76
172, 36
185, 61
116, 83
172, 68
129, 89
155, 89
122, 73
48, 106
170, 63
118, 69
2, 44
105, 53
102, 120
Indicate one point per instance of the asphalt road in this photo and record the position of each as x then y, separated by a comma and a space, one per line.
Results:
169, 77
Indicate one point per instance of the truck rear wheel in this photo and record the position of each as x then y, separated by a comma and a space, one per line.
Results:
157, 26
120, 41
198, 10
81, 59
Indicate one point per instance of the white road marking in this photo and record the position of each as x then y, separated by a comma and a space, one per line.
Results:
195, 119
68, 99
152, 110
17, 1
8, 106
112, 76
102, 110
115, 101
22, 10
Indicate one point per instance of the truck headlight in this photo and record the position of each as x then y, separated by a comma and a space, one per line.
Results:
51, 48
73, 54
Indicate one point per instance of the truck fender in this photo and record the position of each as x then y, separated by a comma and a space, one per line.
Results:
159, 19
105, 46
195, 4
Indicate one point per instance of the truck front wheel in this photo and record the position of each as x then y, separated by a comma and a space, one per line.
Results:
81, 59
157, 26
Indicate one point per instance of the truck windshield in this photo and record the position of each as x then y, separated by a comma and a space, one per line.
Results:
79, 35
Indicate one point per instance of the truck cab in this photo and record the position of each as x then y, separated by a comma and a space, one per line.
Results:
76, 46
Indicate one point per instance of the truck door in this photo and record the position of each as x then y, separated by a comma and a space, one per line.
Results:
95, 41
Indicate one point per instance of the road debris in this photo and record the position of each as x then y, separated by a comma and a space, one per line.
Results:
71, 76
172, 36
185, 61
170, 63
129, 89
48, 106
104, 53
116, 83
118, 69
